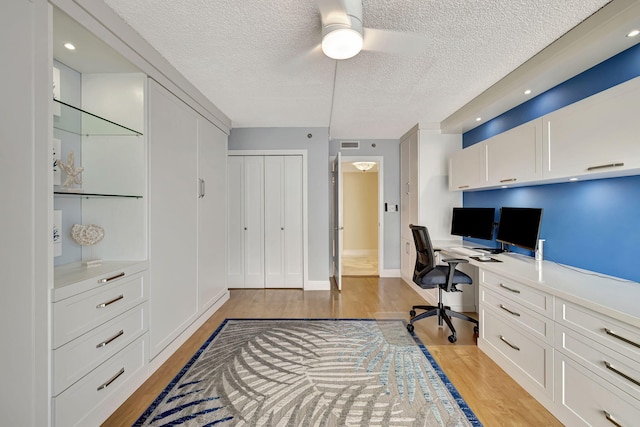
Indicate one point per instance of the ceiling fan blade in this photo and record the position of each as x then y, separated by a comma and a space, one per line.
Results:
333, 12
388, 41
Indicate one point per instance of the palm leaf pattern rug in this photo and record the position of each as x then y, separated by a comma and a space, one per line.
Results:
310, 372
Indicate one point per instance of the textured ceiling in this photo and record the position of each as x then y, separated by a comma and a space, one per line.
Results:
259, 61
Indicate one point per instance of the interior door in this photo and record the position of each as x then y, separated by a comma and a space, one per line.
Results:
337, 220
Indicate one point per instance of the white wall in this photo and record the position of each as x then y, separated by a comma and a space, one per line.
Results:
318, 181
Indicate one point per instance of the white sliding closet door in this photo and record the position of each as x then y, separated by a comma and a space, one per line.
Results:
293, 249
235, 221
274, 221
253, 202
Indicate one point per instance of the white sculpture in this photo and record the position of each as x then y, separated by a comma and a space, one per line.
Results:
87, 235
73, 173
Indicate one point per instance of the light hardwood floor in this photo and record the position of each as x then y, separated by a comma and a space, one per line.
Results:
493, 396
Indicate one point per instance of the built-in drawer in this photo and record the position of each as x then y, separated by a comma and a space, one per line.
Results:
534, 299
76, 315
585, 399
621, 371
77, 358
532, 358
75, 405
530, 321
612, 333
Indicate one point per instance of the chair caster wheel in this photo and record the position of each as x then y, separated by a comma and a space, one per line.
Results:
410, 327
452, 338
412, 313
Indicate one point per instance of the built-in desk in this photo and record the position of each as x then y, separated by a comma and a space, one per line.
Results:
569, 336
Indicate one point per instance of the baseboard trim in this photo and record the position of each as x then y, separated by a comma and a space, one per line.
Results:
390, 273
317, 285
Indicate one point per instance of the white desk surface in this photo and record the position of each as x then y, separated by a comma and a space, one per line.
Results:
612, 296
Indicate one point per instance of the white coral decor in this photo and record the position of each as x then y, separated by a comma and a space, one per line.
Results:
86, 235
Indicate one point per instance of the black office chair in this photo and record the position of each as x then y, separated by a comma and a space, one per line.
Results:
428, 275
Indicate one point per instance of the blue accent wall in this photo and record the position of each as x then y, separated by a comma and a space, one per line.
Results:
595, 224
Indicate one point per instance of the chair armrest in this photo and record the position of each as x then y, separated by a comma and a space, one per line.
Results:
453, 262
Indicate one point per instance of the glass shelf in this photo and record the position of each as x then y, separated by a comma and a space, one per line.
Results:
80, 122
89, 195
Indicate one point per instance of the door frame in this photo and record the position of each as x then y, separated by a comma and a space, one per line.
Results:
305, 186
380, 161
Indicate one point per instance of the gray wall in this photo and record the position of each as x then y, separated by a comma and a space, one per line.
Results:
318, 181
389, 149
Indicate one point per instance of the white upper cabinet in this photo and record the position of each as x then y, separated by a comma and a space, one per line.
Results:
596, 137
468, 168
515, 156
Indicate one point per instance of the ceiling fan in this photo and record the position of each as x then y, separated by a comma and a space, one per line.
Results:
343, 35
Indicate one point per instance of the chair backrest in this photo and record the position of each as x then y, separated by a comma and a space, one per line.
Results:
425, 259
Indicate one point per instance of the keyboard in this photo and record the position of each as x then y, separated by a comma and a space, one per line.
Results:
465, 251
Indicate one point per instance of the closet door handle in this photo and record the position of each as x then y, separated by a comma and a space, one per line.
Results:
202, 188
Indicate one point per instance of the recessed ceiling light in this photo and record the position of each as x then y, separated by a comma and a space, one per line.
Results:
527, 92
478, 119
633, 33
70, 46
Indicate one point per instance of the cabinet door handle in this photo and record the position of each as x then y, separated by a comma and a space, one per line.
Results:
611, 419
408, 188
621, 338
509, 180
509, 311
504, 340
463, 186
104, 304
110, 380
109, 340
610, 165
202, 188
515, 291
108, 279
622, 374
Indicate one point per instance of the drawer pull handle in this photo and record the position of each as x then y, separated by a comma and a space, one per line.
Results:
622, 374
628, 341
108, 341
515, 291
509, 180
463, 186
108, 279
116, 299
610, 165
504, 340
509, 311
111, 380
611, 419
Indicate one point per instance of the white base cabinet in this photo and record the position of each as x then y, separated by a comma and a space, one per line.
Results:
583, 366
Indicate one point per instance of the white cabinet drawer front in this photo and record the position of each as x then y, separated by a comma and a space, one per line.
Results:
612, 333
619, 370
77, 358
522, 317
534, 299
584, 399
76, 315
74, 405
532, 357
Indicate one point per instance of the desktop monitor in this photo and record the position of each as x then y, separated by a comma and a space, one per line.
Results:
476, 223
519, 227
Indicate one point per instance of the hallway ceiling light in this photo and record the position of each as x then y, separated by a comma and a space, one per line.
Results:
364, 166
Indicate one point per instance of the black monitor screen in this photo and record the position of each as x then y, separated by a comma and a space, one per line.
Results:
520, 227
473, 222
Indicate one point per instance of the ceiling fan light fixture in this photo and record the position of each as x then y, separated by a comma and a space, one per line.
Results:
364, 166
341, 41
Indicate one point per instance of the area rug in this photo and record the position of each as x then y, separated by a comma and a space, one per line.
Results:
308, 372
